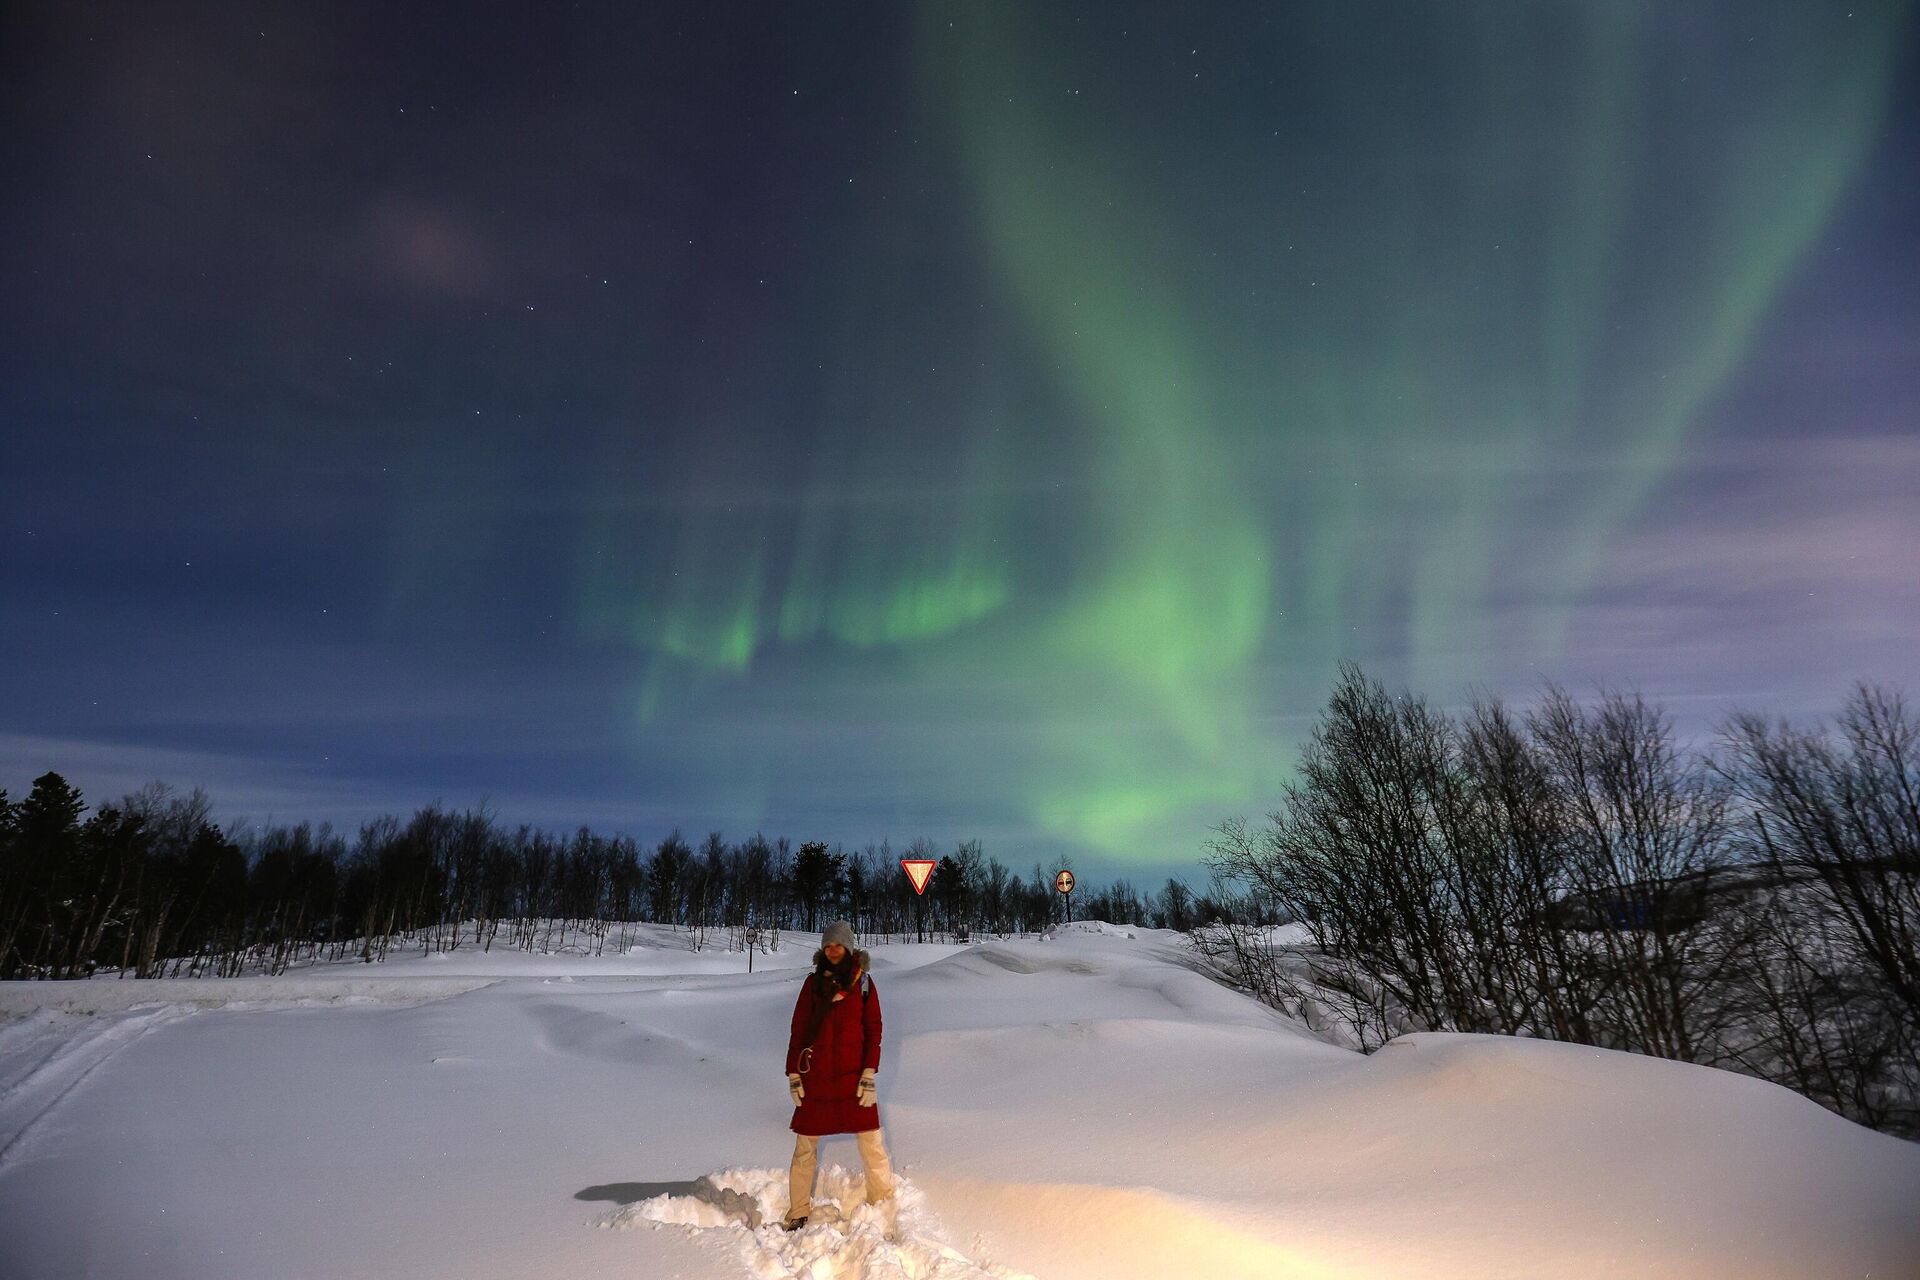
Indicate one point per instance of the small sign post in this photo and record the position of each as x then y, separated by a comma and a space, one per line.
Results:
1064, 883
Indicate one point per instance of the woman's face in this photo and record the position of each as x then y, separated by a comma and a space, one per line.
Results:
834, 952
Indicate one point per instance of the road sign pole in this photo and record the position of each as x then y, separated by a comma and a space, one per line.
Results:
1063, 882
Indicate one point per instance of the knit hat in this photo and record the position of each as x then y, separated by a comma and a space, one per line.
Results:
839, 931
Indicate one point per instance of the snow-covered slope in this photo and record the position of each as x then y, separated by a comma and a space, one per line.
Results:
1082, 1106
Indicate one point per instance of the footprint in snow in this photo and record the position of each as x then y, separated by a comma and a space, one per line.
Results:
844, 1239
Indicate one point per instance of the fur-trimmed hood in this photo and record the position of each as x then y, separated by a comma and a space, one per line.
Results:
862, 963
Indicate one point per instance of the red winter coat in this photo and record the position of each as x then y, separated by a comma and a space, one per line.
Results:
849, 1041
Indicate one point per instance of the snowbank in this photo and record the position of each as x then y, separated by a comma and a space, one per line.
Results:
1087, 1105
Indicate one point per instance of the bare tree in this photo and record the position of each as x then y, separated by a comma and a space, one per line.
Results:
1650, 831
1833, 980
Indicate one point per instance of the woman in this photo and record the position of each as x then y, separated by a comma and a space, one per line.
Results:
833, 1052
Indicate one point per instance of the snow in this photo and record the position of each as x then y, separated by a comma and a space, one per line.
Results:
844, 1239
1089, 1104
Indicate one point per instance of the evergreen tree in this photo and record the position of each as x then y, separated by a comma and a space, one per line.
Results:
670, 859
951, 891
816, 875
45, 842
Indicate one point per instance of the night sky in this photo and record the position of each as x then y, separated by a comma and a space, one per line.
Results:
995, 421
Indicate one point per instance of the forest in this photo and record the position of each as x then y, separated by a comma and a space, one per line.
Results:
150, 886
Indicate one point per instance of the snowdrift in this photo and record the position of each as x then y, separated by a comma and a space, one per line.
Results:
1085, 1105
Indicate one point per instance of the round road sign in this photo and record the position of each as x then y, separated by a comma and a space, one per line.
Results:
1064, 882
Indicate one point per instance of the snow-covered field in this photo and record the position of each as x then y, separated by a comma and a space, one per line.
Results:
1081, 1106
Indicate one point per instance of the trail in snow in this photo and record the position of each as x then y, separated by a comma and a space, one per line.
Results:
844, 1239
69, 1030
45, 1057
338, 986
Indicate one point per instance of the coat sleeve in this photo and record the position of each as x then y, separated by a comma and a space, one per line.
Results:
870, 1024
799, 1027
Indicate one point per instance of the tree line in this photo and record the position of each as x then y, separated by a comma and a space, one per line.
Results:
1573, 872
151, 886
1564, 871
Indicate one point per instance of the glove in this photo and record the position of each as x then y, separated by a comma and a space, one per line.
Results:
797, 1089
864, 1095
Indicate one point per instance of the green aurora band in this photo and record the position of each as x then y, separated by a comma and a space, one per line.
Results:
1327, 302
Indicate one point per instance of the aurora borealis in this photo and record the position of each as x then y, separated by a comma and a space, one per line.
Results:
952, 420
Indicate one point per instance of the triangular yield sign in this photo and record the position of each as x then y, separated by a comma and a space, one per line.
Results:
919, 870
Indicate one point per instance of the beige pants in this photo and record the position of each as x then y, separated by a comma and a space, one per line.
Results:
806, 1157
